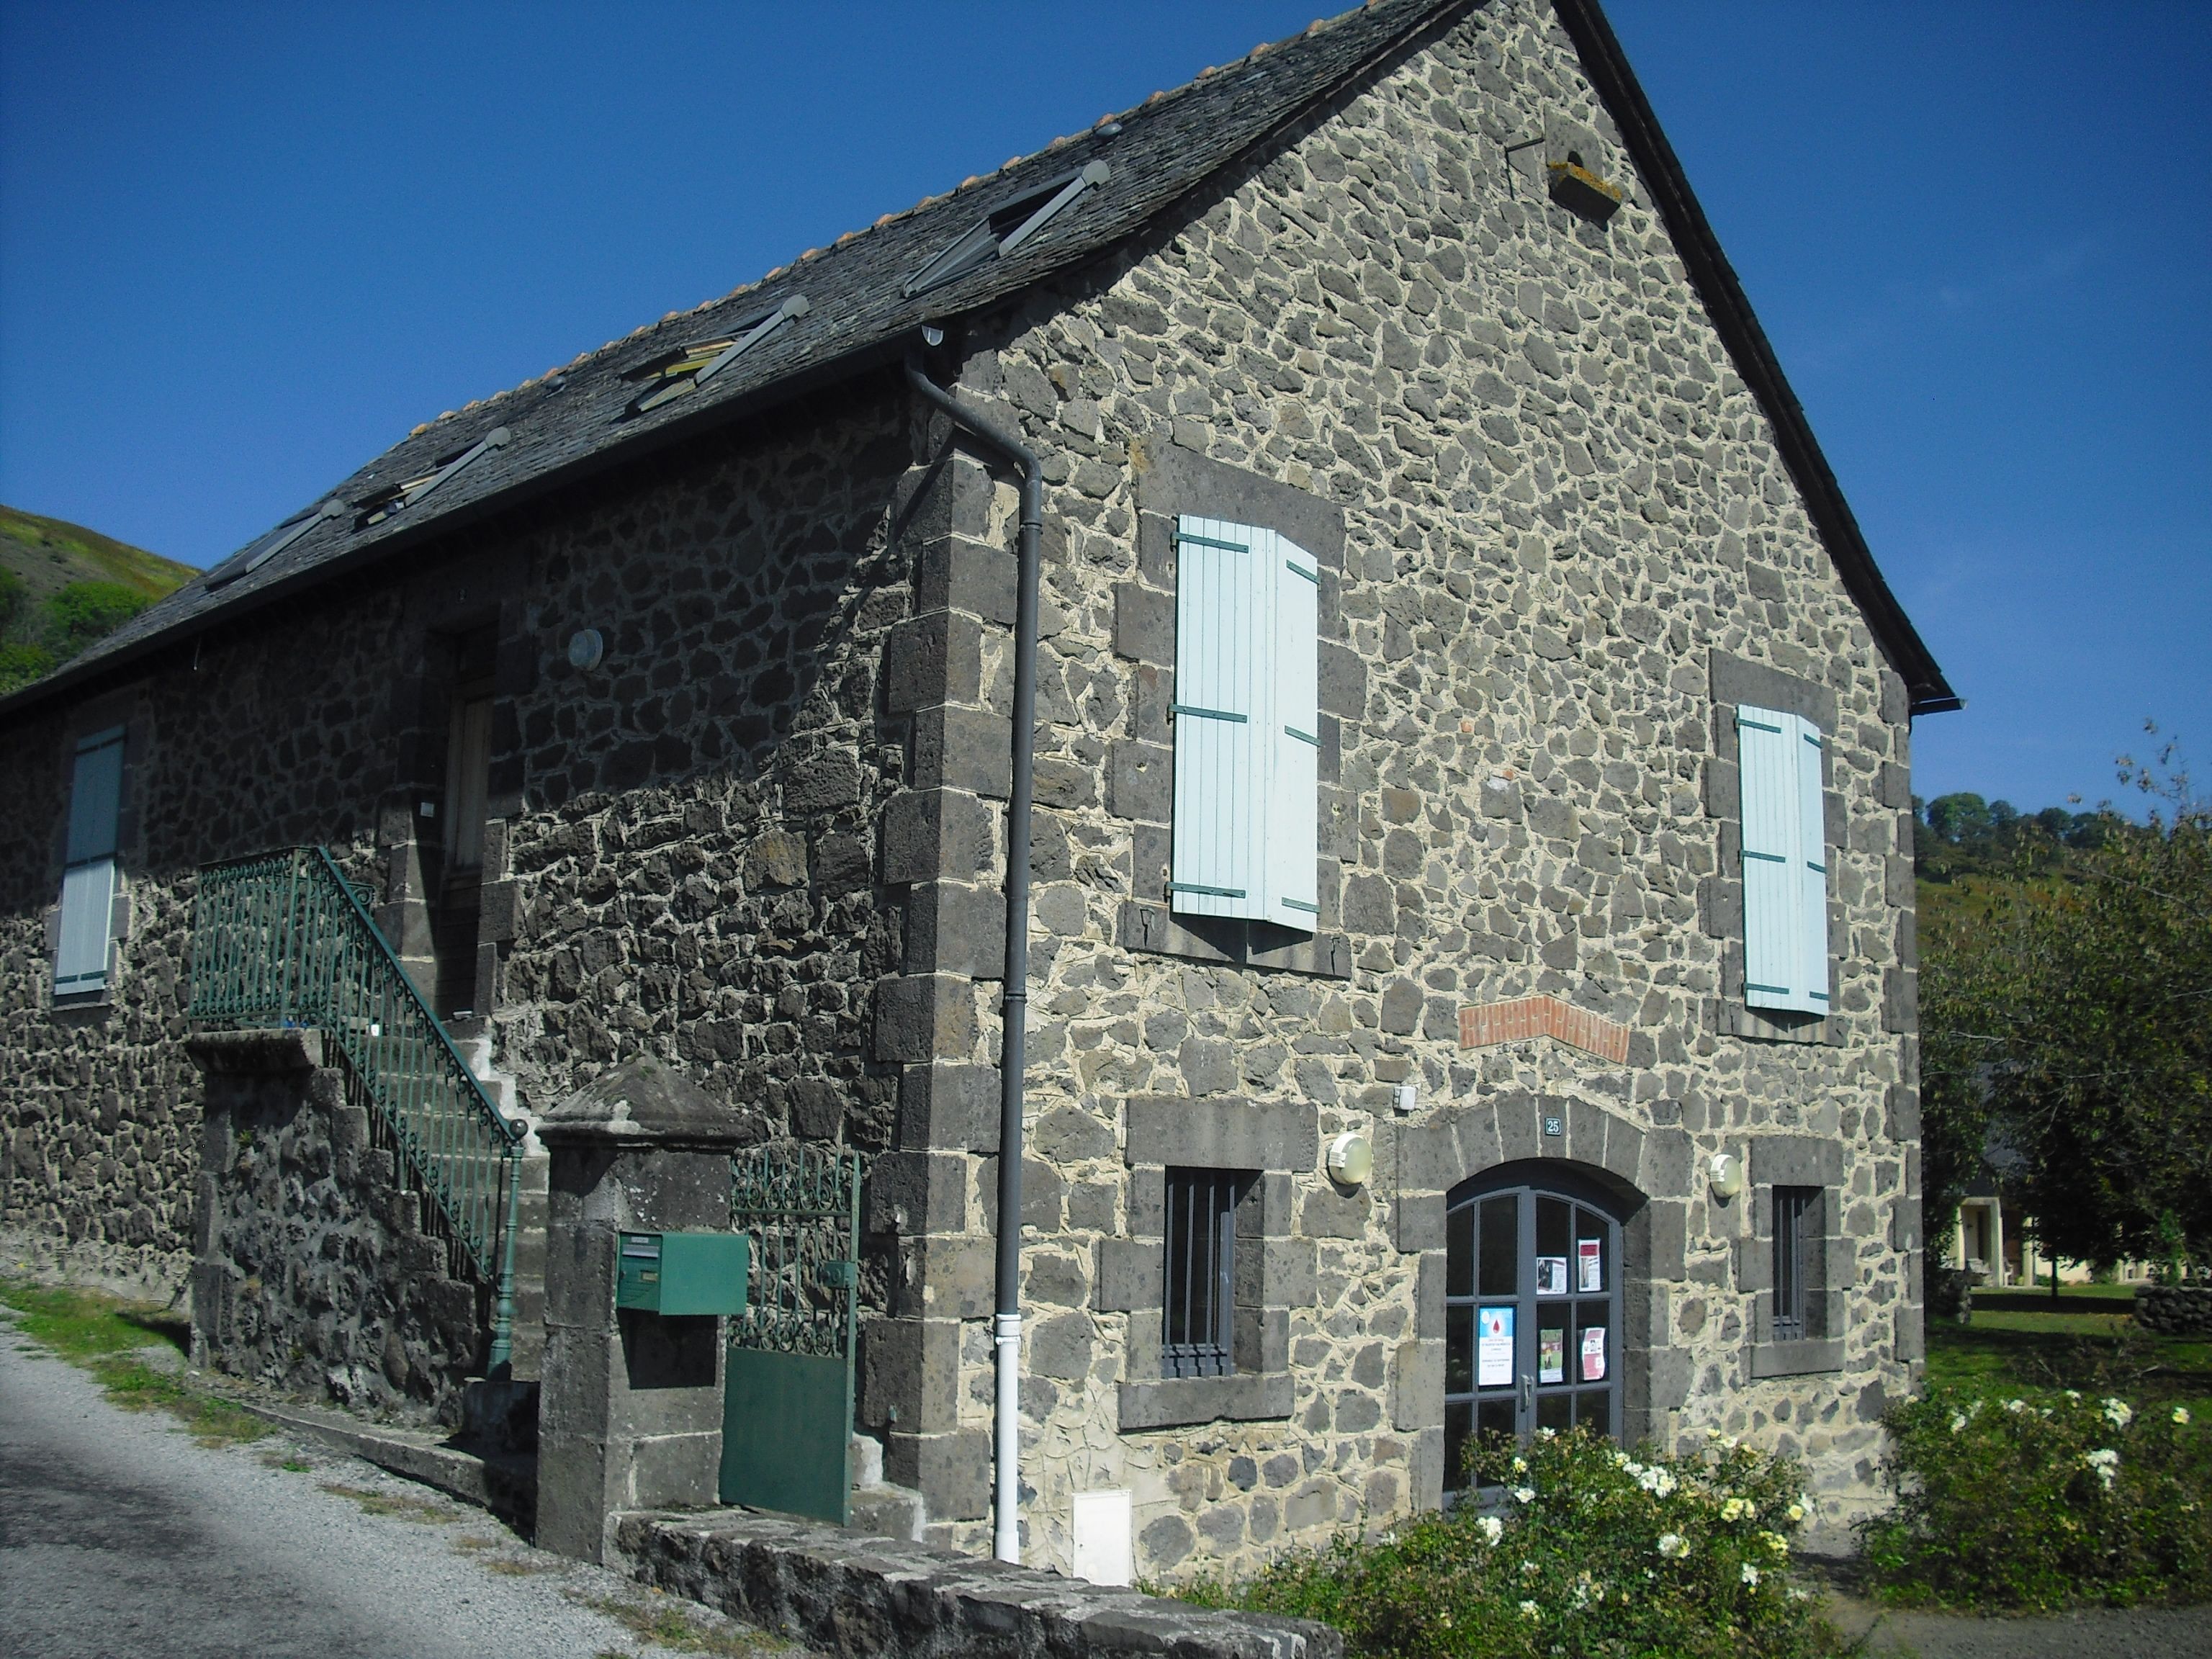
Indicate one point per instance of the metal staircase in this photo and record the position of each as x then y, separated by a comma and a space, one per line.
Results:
284, 940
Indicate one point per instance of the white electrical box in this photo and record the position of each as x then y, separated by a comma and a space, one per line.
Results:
1101, 1551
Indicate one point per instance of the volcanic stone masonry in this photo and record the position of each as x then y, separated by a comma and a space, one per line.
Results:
764, 840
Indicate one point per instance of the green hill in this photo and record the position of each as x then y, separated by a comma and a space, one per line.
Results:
61, 587
47, 555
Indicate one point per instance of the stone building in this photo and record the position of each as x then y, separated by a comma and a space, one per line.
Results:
661, 707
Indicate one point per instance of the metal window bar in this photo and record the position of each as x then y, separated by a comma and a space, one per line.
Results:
1201, 1300
284, 940
1792, 1208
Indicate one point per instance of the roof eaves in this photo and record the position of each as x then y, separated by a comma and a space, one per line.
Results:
1729, 307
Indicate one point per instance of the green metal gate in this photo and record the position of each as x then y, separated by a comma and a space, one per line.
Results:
787, 1404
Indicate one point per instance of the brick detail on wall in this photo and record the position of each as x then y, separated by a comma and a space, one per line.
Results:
1543, 1017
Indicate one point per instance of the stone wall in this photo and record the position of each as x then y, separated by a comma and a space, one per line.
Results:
881, 1598
1557, 543
2174, 1310
679, 859
317, 1269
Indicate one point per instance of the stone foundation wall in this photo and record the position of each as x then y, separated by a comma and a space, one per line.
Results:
315, 1269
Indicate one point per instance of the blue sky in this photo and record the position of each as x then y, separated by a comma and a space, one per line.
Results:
245, 248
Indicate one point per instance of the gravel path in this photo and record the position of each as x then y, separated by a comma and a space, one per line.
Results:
2097, 1634
120, 1534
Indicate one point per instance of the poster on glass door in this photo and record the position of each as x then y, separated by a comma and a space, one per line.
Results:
1590, 1255
1594, 1354
1551, 1355
1493, 1348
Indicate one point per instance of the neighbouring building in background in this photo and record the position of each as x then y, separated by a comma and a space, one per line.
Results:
1472, 967
1997, 1248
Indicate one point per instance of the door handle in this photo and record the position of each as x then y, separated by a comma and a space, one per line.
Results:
1527, 1392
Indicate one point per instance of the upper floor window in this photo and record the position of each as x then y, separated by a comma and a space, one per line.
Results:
88, 870
1786, 866
1247, 726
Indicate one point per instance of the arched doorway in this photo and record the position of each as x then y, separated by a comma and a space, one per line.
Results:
1533, 1270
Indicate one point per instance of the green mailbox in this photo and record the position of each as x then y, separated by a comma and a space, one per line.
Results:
683, 1273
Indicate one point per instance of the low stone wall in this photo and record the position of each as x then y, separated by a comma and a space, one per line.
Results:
2174, 1310
143, 1273
880, 1598
313, 1270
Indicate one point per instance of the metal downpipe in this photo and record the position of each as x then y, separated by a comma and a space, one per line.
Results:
1006, 1325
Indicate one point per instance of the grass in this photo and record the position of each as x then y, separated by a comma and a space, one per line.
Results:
108, 1336
669, 1626
2018, 1341
401, 1505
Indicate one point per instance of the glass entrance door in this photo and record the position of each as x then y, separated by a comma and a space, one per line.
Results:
1532, 1316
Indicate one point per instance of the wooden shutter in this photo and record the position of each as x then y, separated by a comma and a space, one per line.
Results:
1785, 895
88, 880
1293, 827
1223, 694
1812, 871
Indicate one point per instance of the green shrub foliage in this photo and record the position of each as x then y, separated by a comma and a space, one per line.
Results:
1590, 1551
2043, 1500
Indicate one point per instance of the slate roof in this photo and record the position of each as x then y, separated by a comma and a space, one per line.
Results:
584, 417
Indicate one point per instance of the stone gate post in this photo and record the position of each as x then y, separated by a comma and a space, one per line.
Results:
630, 1411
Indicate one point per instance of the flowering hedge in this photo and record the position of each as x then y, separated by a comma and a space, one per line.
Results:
1594, 1551
2043, 1500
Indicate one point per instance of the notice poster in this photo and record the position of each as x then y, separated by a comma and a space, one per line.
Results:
1590, 1257
1594, 1354
1551, 1355
1493, 1348
1551, 1275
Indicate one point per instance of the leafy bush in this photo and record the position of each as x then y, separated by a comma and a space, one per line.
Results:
85, 611
21, 664
1596, 1552
2043, 1500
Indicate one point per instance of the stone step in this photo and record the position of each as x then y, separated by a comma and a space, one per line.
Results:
886, 1511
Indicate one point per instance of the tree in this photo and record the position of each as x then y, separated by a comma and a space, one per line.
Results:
2070, 1017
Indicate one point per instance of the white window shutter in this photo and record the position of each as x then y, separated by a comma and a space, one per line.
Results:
88, 880
88, 904
1812, 871
1768, 744
1224, 697
1294, 823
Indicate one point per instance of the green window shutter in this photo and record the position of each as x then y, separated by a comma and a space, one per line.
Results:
96, 796
1294, 823
88, 880
1223, 703
1811, 870
1768, 744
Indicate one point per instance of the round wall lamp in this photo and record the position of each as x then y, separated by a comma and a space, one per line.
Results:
586, 648
1351, 1160
1724, 1175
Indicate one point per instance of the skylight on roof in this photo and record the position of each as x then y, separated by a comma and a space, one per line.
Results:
376, 508
275, 542
687, 367
1007, 228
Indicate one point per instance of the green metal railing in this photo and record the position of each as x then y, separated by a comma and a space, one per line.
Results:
284, 940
